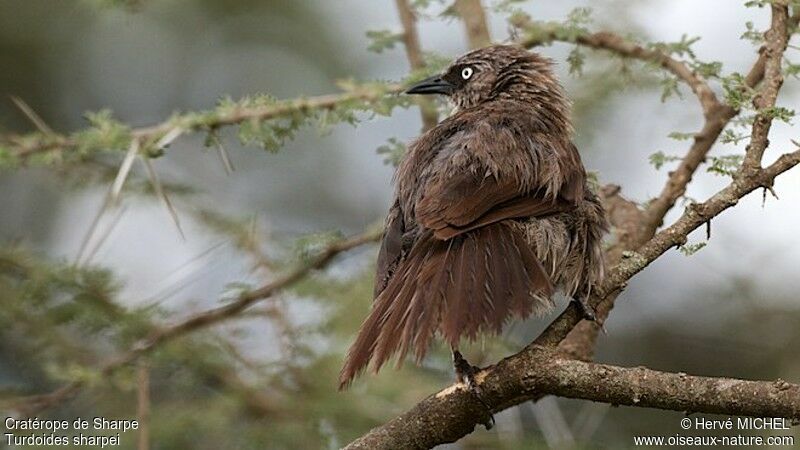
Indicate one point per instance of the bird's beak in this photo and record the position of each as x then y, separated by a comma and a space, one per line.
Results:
433, 85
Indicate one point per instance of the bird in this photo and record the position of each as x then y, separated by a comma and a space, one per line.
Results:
492, 214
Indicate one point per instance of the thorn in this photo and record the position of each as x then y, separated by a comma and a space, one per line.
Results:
222, 152
772, 192
90, 256
708, 229
31, 115
169, 137
124, 171
159, 189
90, 232
111, 199
765, 189
795, 142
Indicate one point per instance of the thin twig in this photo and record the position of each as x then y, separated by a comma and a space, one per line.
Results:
606, 40
695, 216
31, 405
581, 340
24, 149
676, 234
143, 404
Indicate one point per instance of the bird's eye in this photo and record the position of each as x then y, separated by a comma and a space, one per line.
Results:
466, 72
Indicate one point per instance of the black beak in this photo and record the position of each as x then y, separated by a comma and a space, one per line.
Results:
433, 85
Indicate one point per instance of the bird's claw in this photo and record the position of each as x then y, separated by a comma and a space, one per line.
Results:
587, 312
585, 308
465, 374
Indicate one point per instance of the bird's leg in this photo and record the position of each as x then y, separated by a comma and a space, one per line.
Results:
465, 373
584, 307
586, 310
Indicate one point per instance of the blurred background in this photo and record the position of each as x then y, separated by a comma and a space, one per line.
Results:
268, 378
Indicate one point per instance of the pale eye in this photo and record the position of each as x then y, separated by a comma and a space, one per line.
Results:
466, 72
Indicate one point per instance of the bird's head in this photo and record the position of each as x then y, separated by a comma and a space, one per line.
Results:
495, 71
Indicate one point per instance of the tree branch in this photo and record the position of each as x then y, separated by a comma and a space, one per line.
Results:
777, 37
716, 120
536, 371
415, 59
580, 342
605, 40
23, 147
143, 405
31, 405
675, 235
539, 370
474, 17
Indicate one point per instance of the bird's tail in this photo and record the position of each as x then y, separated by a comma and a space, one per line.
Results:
462, 286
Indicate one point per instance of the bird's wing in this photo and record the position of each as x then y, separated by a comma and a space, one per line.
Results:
489, 174
391, 247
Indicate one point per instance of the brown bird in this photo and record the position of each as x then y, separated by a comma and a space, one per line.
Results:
492, 214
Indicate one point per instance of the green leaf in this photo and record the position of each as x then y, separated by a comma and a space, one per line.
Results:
381, 40
707, 69
393, 151
726, 165
731, 137
506, 6
737, 93
791, 70
309, 245
576, 59
678, 136
669, 87
691, 249
779, 113
579, 17
752, 35
658, 159
680, 48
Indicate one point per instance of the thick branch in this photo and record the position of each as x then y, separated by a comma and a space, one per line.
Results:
451, 414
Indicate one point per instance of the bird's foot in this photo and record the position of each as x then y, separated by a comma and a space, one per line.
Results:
587, 312
465, 373
585, 308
